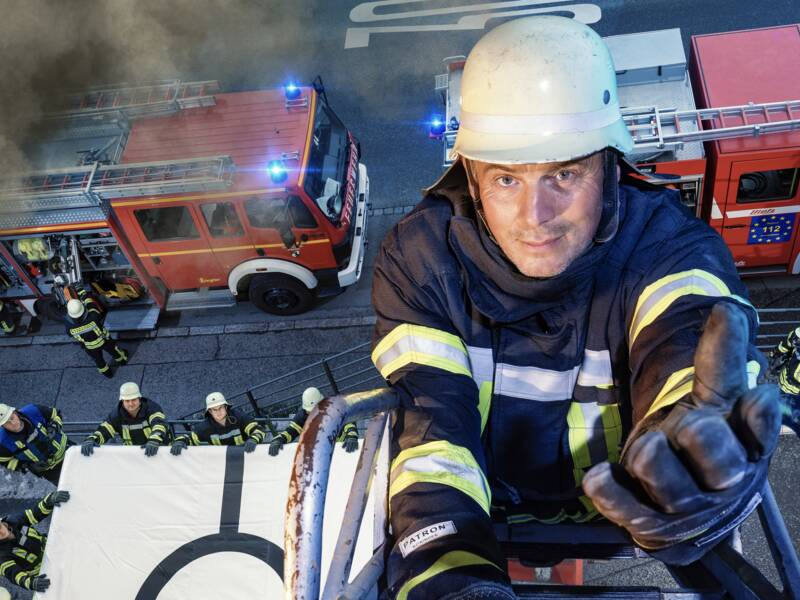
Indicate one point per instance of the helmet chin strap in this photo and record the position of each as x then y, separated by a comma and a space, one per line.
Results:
609, 217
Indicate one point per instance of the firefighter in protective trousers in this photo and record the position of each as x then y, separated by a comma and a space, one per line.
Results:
784, 365
223, 426
138, 421
311, 397
22, 546
85, 324
567, 344
31, 439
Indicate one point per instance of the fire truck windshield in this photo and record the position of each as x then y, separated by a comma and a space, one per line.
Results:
326, 174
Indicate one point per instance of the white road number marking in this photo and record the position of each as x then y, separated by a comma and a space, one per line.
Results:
359, 37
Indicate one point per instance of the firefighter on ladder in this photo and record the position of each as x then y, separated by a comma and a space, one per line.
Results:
223, 426
784, 365
32, 439
311, 397
22, 545
137, 420
567, 343
85, 324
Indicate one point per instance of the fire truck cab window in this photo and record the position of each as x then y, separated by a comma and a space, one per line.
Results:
766, 186
301, 216
167, 224
267, 213
327, 163
221, 219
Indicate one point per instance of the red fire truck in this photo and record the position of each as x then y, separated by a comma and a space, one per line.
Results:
738, 166
185, 197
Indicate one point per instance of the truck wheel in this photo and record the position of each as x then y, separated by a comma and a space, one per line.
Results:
280, 294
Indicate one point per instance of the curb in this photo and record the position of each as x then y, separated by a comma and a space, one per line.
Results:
234, 328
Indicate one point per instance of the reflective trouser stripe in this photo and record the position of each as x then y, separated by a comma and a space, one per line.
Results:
595, 435
657, 297
407, 344
443, 463
790, 387
448, 561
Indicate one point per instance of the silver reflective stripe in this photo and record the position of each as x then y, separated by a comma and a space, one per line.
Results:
534, 383
231, 433
412, 343
596, 369
436, 463
481, 363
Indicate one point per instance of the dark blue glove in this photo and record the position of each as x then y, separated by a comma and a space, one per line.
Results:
350, 444
40, 583
692, 472
250, 445
177, 447
151, 448
275, 446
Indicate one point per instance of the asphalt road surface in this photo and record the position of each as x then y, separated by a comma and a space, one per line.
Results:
378, 61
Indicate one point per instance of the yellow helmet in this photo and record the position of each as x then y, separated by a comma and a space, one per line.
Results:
538, 90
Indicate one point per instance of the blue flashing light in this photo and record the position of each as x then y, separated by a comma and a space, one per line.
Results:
277, 172
291, 91
437, 126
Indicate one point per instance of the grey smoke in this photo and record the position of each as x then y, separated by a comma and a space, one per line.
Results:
48, 47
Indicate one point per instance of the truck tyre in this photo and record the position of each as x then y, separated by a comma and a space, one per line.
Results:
280, 294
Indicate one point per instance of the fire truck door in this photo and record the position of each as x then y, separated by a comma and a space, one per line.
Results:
760, 212
174, 245
222, 222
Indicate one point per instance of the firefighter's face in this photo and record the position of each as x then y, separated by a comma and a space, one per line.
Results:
132, 406
14, 423
5, 531
542, 216
218, 413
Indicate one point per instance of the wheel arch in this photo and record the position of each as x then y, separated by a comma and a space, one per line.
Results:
240, 276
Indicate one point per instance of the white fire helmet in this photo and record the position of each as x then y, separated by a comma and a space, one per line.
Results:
5, 413
311, 398
215, 399
538, 90
129, 391
5, 594
75, 308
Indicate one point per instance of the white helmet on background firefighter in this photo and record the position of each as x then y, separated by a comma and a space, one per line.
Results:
129, 391
215, 399
311, 397
5, 413
5, 594
554, 100
75, 308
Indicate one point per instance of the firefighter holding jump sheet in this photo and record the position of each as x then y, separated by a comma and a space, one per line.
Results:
569, 344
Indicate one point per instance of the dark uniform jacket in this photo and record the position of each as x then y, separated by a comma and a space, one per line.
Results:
21, 558
513, 387
237, 429
295, 428
148, 424
40, 445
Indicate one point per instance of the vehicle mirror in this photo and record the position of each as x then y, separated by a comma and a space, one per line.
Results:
304, 237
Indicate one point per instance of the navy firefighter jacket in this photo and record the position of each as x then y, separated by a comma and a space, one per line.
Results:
513, 387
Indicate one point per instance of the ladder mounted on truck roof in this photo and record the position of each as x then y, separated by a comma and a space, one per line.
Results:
145, 100
52, 197
652, 127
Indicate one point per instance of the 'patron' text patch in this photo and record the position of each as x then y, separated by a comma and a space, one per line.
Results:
427, 534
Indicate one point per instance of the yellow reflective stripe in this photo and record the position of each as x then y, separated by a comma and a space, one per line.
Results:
594, 435
156, 415
109, 428
295, 426
31, 517
484, 402
442, 463
659, 295
612, 428
448, 561
249, 427
676, 387
285, 435
238, 440
6, 566
578, 440
407, 344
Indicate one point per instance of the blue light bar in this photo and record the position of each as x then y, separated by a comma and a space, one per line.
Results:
277, 172
291, 91
437, 126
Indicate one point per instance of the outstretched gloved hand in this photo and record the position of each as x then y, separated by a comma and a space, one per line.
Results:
57, 498
177, 447
692, 472
88, 446
275, 446
350, 444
